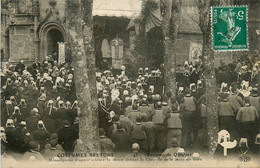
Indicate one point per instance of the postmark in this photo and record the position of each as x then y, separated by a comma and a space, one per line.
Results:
229, 28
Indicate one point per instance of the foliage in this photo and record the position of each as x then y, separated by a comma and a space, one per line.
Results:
147, 6
139, 56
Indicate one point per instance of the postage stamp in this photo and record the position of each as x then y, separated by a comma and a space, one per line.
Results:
229, 28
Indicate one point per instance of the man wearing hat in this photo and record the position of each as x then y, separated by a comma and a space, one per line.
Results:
54, 136
139, 135
144, 108
126, 122
150, 129
174, 125
226, 115
235, 99
134, 113
247, 117
190, 103
121, 140
257, 145
106, 145
254, 99
20, 67
53, 151
172, 150
159, 119
67, 135
128, 108
135, 152
33, 152
199, 91
115, 121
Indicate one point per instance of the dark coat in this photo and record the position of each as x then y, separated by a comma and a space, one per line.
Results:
32, 122
67, 135
122, 141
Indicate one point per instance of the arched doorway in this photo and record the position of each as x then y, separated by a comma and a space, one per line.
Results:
50, 35
54, 36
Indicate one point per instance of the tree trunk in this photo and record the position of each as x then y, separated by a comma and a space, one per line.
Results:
209, 74
170, 27
211, 95
82, 48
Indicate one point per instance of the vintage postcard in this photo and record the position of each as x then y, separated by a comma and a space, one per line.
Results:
130, 83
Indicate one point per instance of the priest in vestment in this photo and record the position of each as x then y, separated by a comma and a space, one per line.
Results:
117, 51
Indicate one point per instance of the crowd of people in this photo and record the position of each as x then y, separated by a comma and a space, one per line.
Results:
39, 110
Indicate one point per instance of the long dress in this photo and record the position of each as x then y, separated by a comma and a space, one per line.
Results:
117, 53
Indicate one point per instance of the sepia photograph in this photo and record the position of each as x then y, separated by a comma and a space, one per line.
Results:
130, 83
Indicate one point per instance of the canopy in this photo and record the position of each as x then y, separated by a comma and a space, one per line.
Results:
116, 8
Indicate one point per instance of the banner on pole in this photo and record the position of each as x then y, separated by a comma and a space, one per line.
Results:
195, 52
61, 52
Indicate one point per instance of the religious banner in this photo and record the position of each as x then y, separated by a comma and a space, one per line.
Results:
61, 46
195, 52
105, 48
117, 51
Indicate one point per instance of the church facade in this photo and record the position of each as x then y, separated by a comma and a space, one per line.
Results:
33, 29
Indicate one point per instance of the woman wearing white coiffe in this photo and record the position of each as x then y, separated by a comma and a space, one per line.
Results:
245, 89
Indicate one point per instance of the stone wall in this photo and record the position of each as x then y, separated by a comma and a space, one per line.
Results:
22, 45
54, 8
183, 46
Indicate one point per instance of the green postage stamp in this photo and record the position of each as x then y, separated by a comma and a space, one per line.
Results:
229, 28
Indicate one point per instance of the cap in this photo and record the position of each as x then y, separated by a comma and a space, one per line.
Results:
23, 123
255, 89
54, 136
35, 110
40, 122
33, 144
195, 155
181, 150
247, 99
135, 146
174, 141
